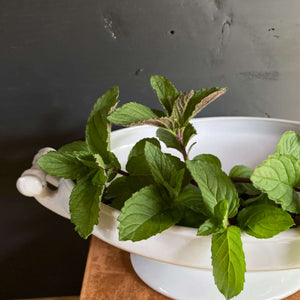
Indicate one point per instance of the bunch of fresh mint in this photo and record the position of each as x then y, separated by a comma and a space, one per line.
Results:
159, 190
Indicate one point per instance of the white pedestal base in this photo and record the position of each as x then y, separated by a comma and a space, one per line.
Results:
188, 284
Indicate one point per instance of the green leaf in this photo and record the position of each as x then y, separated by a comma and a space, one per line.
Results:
241, 171
158, 113
168, 138
207, 228
217, 223
131, 113
294, 207
75, 146
191, 218
99, 179
86, 159
122, 188
277, 176
201, 99
98, 128
137, 164
264, 221
161, 167
209, 158
260, 199
191, 198
63, 165
214, 184
180, 106
289, 143
228, 262
146, 214
84, 206
166, 92
188, 132
172, 139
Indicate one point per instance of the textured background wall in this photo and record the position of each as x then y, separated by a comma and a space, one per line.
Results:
58, 56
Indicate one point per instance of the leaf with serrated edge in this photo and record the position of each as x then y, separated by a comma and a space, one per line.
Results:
168, 138
228, 261
131, 113
136, 163
146, 214
75, 146
208, 158
289, 143
264, 221
217, 223
84, 206
211, 95
188, 132
160, 165
214, 184
165, 91
98, 128
64, 165
277, 176
294, 206
191, 197
179, 107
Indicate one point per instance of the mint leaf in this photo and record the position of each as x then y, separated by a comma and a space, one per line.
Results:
122, 188
294, 206
241, 171
209, 158
188, 132
289, 143
214, 184
277, 176
191, 197
264, 221
260, 199
146, 214
169, 138
191, 218
180, 106
86, 159
217, 223
166, 92
84, 206
75, 146
137, 164
174, 139
99, 179
162, 169
63, 165
98, 128
158, 113
228, 262
200, 100
131, 113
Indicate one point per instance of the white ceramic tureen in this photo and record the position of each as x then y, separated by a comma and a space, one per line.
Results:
177, 263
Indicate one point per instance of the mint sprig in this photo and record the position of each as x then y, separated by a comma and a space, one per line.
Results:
158, 190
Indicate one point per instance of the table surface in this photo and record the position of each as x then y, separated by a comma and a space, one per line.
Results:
109, 275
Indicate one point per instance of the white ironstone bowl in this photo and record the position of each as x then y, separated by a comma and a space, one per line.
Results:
235, 140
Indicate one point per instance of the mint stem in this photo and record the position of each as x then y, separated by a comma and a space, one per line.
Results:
124, 173
179, 136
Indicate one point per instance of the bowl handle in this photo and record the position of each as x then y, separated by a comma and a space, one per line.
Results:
35, 183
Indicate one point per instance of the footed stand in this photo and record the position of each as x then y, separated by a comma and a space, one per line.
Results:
189, 284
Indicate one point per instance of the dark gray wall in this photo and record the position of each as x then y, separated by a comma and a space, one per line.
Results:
58, 56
